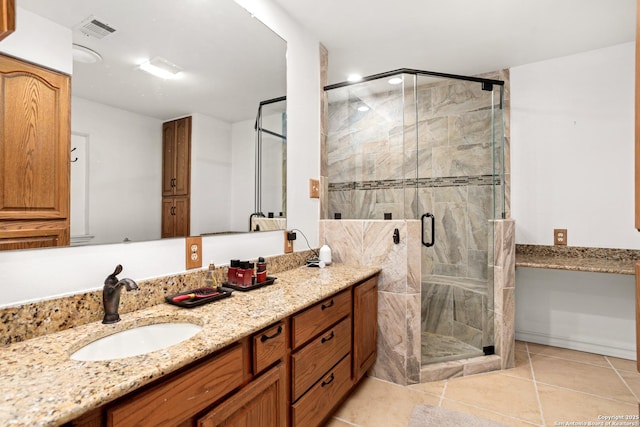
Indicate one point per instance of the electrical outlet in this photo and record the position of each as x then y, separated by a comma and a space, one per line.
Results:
288, 244
193, 246
314, 189
560, 236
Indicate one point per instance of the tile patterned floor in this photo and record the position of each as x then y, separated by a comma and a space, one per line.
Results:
549, 387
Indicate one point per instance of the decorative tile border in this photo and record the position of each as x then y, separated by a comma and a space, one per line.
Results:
390, 184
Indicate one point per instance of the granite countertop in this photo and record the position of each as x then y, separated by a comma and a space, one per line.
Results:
576, 258
42, 386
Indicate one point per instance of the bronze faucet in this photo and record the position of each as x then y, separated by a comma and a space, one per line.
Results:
111, 295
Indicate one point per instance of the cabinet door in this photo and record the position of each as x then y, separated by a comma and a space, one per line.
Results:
175, 217
34, 142
183, 156
7, 18
168, 157
176, 157
181, 216
262, 403
365, 326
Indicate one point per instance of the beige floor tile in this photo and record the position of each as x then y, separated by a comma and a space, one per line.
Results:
334, 422
581, 377
576, 356
485, 413
508, 395
521, 346
434, 388
561, 405
523, 367
378, 403
623, 364
633, 381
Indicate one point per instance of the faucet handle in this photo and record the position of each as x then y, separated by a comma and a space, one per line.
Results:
112, 279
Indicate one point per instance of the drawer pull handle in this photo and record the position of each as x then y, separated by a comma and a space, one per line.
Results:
265, 337
324, 307
327, 382
325, 339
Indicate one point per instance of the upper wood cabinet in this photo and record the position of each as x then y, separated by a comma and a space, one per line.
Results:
7, 17
176, 157
34, 155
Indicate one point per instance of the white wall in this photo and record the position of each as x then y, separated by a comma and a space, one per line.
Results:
572, 130
36, 274
125, 171
39, 40
572, 153
210, 175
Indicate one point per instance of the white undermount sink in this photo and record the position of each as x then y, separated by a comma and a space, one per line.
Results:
136, 341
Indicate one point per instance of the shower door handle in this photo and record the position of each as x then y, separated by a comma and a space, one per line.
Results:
433, 229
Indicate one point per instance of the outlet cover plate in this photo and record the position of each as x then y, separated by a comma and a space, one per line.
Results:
314, 189
193, 252
560, 236
288, 244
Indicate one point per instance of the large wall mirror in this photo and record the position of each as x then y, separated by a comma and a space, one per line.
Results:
231, 83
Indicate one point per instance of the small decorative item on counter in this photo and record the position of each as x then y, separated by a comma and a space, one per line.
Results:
325, 254
261, 270
208, 279
233, 271
249, 277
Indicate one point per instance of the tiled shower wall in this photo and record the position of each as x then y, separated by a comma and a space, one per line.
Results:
399, 295
371, 242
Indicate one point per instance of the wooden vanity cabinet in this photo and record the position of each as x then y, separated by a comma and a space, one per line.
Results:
293, 373
34, 155
365, 327
176, 177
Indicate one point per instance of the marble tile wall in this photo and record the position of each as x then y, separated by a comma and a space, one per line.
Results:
371, 242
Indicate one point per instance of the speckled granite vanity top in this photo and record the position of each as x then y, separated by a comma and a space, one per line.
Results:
575, 258
41, 386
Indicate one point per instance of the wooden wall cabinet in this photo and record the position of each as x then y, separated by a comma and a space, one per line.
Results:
34, 155
176, 177
175, 216
7, 17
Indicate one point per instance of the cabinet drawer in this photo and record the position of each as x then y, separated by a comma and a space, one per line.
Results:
178, 398
318, 402
316, 319
315, 359
269, 346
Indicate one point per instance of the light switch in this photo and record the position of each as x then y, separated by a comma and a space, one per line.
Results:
314, 189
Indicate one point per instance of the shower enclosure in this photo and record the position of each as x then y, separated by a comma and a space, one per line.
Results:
426, 146
270, 191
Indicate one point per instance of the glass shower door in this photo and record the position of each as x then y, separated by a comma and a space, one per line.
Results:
456, 135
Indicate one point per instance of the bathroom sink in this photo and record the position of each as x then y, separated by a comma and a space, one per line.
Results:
136, 341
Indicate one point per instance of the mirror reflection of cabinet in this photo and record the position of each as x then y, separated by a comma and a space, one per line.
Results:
34, 156
7, 17
176, 173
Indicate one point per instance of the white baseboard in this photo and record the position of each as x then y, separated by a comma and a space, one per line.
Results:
622, 352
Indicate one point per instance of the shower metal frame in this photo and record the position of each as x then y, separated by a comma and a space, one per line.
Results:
258, 156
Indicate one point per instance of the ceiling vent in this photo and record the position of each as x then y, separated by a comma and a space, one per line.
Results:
95, 28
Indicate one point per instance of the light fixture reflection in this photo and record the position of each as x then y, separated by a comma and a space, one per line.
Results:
354, 78
395, 81
161, 67
363, 108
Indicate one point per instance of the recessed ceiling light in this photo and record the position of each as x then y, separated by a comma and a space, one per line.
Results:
363, 108
84, 54
161, 67
354, 78
395, 80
